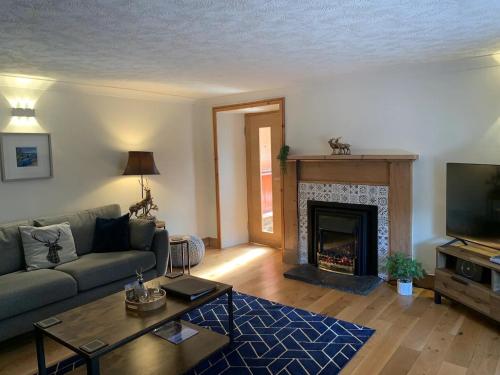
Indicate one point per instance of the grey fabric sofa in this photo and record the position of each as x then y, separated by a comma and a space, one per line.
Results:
27, 297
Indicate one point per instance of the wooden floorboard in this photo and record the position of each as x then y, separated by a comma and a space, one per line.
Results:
414, 336
400, 362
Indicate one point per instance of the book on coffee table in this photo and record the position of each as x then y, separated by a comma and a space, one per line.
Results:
190, 289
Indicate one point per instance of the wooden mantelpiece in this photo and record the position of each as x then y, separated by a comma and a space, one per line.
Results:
354, 157
394, 171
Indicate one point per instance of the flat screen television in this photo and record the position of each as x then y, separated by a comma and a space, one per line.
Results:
473, 203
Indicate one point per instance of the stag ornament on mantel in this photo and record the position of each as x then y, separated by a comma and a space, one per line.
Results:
339, 148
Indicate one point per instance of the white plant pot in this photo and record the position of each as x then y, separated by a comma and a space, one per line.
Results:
405, 288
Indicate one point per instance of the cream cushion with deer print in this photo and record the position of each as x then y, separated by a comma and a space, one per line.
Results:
47, 247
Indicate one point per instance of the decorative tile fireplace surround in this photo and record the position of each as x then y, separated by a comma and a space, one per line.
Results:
384, 181
344, 193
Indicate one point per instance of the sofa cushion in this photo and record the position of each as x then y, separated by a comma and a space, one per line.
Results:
111, 234
11, 250
142, 233
46, 247
109, 211
82, 224
96, 269
25, 291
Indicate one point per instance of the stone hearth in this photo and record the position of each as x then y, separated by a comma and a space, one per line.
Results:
362, 285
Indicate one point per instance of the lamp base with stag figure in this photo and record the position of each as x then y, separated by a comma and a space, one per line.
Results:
143, 208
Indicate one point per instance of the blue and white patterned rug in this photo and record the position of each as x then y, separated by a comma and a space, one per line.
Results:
271, 338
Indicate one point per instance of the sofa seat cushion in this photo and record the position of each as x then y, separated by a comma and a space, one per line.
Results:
25, 291
96, 269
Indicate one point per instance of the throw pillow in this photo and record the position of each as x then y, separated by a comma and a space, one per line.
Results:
47, 247
111, 234
141, 234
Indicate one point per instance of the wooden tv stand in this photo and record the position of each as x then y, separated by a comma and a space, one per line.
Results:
480, 296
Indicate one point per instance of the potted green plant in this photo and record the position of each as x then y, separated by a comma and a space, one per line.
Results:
282, 157
405, 270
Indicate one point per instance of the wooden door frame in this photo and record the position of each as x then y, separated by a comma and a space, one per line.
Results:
231, 107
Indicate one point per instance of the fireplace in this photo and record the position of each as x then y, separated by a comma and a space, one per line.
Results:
343, 237
351, 181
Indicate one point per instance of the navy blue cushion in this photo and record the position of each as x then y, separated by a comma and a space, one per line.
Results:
111, 234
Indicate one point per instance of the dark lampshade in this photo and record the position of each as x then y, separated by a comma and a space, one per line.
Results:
140, 163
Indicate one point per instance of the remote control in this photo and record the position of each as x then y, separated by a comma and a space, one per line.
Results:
93, 346
49, 322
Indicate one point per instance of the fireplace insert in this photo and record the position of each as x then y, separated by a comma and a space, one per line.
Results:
343, 237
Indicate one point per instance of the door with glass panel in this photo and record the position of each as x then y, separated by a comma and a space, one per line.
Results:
263, 141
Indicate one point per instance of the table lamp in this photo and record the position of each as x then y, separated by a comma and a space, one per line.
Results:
142, 163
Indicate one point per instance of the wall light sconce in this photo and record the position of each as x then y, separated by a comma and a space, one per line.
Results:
23, 112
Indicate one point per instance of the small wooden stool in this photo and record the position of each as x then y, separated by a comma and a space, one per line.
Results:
180, 242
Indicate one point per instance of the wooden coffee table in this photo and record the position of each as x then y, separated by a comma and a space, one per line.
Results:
130, 349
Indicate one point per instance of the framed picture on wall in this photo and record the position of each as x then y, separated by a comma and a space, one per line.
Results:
25, 156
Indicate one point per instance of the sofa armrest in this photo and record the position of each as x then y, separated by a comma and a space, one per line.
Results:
160, 248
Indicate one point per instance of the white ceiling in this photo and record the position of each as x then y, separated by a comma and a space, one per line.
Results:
215, 47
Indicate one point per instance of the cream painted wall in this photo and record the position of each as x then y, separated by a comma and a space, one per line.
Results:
232, 178
90, 137
443, 113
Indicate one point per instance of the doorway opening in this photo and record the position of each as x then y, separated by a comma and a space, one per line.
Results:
247, 140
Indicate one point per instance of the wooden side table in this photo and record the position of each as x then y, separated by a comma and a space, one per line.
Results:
184, 244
